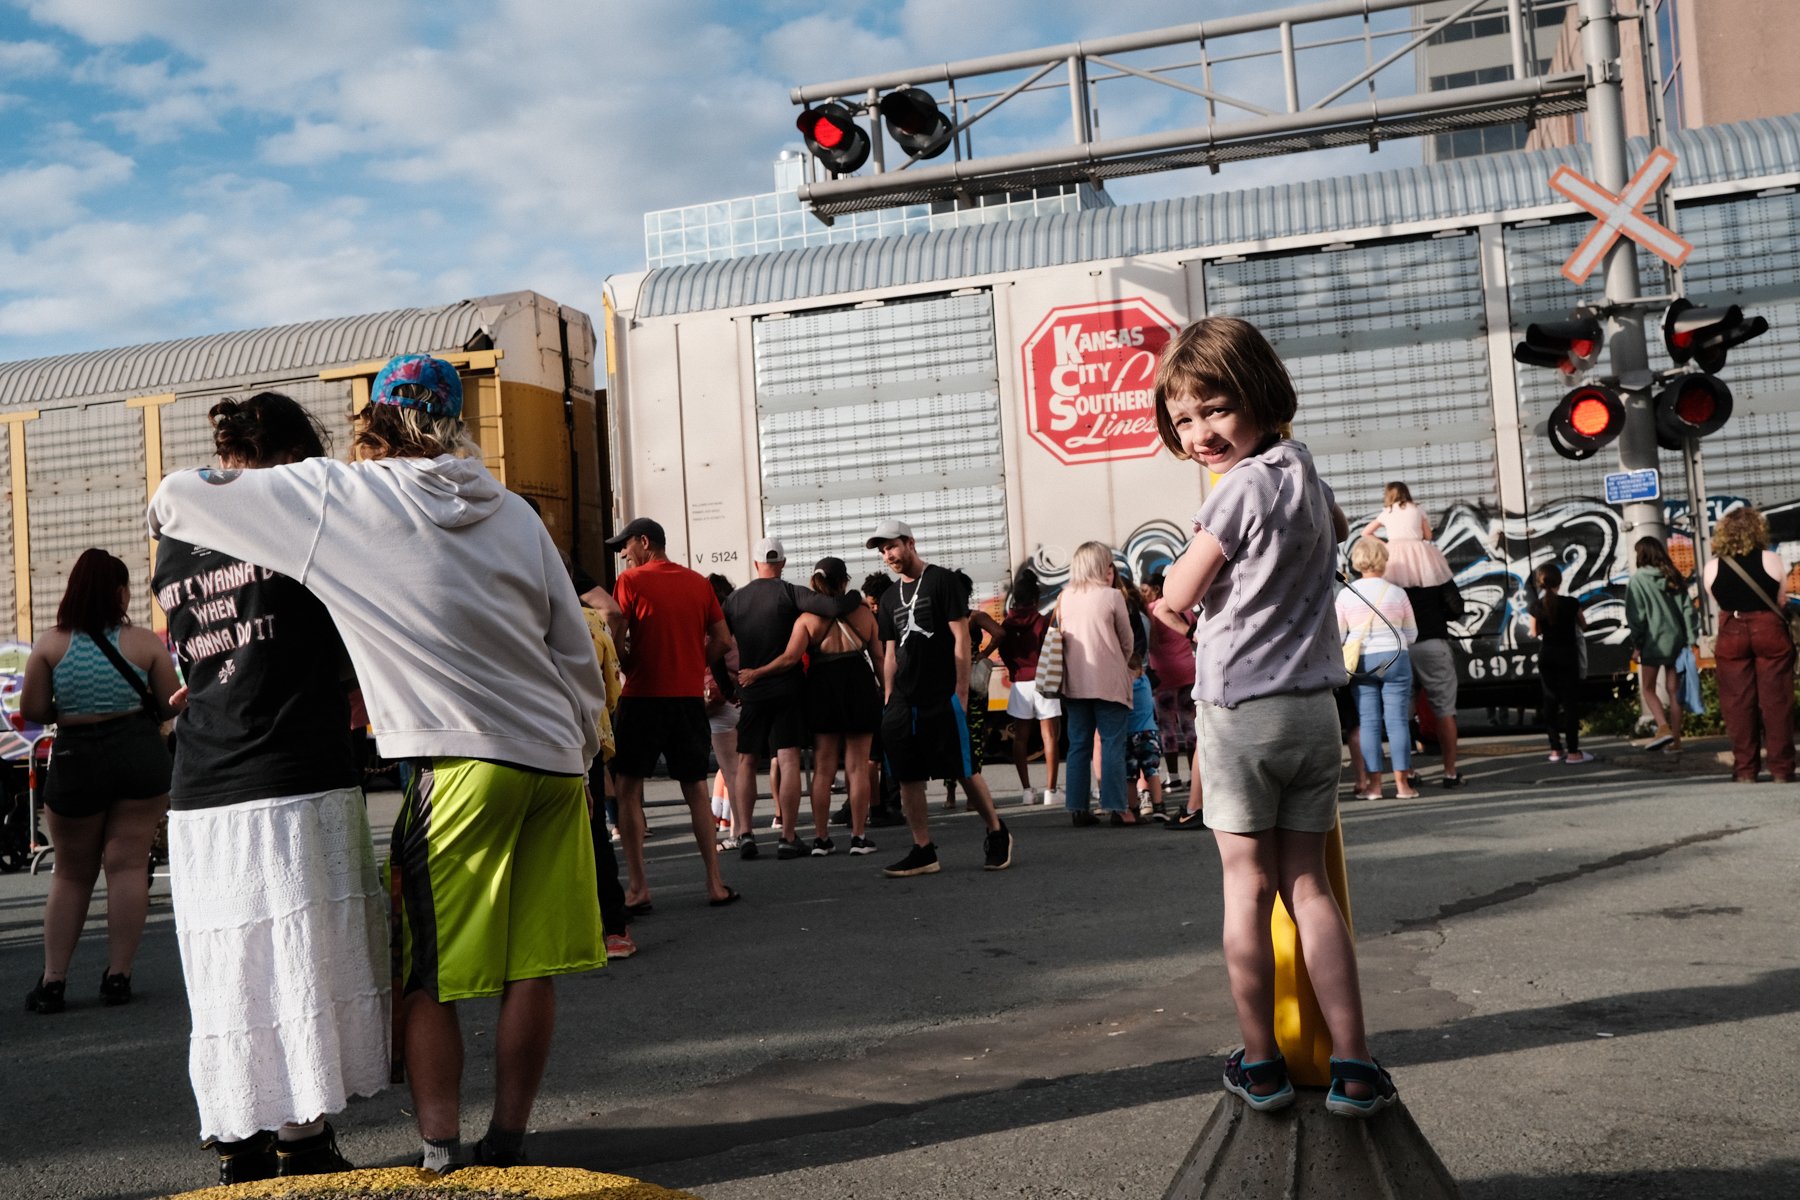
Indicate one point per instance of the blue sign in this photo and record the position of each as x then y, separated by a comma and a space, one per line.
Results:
1624, 487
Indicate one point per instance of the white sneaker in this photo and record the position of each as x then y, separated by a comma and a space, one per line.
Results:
1050, 797
1027, 797
1579, 756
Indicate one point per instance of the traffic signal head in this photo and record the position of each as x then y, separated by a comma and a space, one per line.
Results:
916, 122
1585, 420
1569, 346
1692, 406
834, 137
1704, 335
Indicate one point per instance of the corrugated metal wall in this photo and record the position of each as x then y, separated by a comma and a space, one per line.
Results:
883, 411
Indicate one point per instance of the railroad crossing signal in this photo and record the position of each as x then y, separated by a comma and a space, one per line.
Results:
1569, 346
1692, 406
834, 137
1704, 335
1588, 418
1620, 214
916, 123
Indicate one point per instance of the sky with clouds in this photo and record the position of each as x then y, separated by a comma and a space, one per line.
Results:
182, 167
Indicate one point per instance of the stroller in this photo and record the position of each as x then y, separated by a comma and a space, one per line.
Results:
24, 755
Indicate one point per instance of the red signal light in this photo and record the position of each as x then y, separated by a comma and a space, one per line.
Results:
1696, 405
834, 137
1590, 416
1583, 348
827, 133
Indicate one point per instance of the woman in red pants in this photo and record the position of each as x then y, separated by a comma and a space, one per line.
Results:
1754, 654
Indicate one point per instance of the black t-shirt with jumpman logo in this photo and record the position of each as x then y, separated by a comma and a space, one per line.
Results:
265, 670
916, 618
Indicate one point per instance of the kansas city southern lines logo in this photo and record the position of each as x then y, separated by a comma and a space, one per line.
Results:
1090, 371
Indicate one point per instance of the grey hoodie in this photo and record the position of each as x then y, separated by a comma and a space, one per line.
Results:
464, 629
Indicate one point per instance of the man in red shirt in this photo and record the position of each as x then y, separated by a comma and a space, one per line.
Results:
673, 628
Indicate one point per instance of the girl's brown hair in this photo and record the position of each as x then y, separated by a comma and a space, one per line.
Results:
1397, 493
92, 603
1224, 356
1549, 580
1652, 553
1741, 531
266, 429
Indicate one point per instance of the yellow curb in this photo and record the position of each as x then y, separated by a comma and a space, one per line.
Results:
561, 1183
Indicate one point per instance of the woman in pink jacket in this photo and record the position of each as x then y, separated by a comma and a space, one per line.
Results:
1097, 683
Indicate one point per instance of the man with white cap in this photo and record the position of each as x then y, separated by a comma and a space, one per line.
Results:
924, 623
764, 618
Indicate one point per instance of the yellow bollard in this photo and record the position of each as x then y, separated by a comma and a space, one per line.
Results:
1299, 1025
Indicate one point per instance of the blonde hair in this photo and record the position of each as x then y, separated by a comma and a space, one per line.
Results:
1090, 566
391, 431
1397, 495
1369, 554
1741, 531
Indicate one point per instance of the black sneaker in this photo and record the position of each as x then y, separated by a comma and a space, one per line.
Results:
45, 997
842, 815
821, 847
1188, 820
115, 989
886, 816
487, 1156
787, 849
747, 847
997, 848
1453, 781
245, 1161
920, 860
316, 1155
861, 845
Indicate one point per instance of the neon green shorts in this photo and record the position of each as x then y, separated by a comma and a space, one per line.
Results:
496, 878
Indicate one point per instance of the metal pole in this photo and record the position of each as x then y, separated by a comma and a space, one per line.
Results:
872, 106
1699, 522
1625, 325
1078, 98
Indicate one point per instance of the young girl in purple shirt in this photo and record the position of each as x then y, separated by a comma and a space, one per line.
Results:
1267, 655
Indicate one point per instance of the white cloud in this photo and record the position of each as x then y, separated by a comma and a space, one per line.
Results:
48, 194
24, 60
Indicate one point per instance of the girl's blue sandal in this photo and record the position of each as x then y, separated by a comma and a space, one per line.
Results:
1382, 1092
1241, 1076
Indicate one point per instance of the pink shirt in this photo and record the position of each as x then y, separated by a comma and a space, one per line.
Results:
1096, 643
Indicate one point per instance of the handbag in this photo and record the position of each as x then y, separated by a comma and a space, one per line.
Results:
1050, 675
1789, 617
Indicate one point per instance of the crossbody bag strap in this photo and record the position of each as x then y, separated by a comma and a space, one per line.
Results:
151, 708
1755, 587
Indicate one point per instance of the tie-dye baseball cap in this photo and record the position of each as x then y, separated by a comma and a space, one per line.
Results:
419, 381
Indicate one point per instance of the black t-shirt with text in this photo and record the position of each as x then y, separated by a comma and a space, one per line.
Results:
265, 669
916, 617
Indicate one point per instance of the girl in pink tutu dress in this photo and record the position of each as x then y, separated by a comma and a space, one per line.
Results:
1413, 558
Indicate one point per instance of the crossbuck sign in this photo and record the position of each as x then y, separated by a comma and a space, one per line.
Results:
1620, 214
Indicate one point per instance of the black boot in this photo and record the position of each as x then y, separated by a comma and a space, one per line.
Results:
316, 1155
245, 1161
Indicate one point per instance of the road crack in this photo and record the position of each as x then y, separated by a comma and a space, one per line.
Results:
1527, 887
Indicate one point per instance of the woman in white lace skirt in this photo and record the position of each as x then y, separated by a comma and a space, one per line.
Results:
279, 907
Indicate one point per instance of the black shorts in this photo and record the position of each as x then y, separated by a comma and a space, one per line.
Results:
928, 742
670, 727
92, 766
779, 723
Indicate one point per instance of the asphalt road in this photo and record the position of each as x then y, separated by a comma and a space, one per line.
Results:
1585, 979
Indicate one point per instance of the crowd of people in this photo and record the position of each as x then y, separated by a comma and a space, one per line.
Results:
1244, 660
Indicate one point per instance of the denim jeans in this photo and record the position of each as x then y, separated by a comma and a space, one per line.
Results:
1385, 702
1081, 718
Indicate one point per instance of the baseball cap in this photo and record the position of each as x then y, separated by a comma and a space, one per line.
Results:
637, 526
431, 385
769, 551
887, 531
